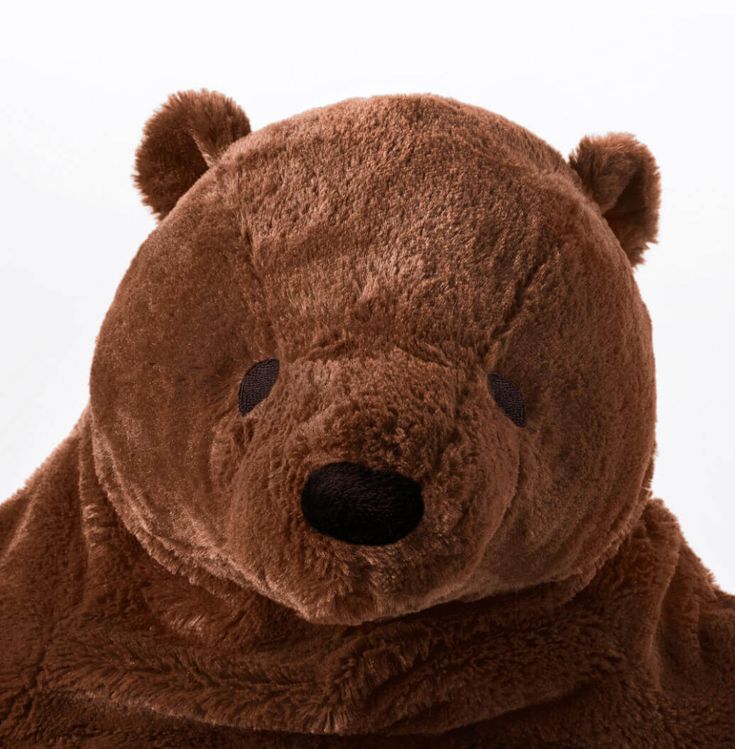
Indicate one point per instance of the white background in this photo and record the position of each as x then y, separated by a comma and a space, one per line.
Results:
78, 81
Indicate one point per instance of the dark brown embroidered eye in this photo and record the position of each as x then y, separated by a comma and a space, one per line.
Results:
257, 384
509, 398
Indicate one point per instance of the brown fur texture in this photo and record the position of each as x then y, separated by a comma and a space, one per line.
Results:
182, 141
159, 585
621, 176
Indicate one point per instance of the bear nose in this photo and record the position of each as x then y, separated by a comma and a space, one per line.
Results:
361, 505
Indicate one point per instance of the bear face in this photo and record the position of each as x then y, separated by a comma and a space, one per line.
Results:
379, 356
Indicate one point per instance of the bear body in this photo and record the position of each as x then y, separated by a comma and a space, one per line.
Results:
367, 457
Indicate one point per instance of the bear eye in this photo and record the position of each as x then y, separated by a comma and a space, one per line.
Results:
509, 398
257, 384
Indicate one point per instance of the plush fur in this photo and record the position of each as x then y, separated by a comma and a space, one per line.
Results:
181, 142
621, 176
401, 258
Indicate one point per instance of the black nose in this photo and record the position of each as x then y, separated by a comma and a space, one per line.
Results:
360, 505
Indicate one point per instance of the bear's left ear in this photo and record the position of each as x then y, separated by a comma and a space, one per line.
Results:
621, 176
181, 141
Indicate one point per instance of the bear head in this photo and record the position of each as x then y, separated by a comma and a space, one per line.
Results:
380, 356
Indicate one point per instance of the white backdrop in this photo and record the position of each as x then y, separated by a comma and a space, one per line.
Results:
78, 81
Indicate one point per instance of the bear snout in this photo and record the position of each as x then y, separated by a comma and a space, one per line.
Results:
360, 505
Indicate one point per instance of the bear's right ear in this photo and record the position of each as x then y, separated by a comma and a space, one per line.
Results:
181, 141
621, 176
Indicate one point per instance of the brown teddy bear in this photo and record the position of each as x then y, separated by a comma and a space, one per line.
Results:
367, 457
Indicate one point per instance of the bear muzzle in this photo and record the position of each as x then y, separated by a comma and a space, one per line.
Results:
361, 505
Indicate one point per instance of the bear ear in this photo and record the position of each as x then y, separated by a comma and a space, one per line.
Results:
181, 141
621, 176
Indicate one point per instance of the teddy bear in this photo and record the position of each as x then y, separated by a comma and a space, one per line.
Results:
367, 457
